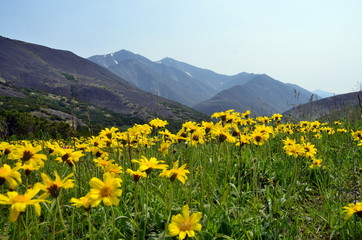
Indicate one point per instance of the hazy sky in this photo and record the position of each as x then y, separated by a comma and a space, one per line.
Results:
316, 44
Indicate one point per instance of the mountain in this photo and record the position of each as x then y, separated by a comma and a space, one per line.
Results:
216, 81
323, 94
168, 77
155, 77
202, 89
342, 106
262, 95
30, 66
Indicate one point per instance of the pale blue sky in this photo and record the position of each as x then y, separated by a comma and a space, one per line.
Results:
316, 44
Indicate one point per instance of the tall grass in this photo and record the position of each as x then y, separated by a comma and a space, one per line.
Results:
244, 190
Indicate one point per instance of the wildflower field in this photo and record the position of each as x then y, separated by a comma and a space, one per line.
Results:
234, 178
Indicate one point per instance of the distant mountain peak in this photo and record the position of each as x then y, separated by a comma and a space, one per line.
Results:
323, 94
168, 59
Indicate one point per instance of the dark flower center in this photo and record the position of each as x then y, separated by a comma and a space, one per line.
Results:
173, 177
148, 171
7, 151
258, 138
54, 190
65, 157
27, 155
105, 191
136, 177
222, 137
2, 181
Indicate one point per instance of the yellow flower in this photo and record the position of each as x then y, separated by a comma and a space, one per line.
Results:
85, 202
353, 208
139, 129
294, 150
164, 146
28, 154
207, 126
228, 116
68, 155
276, 117
10, 175
197, 136
103, 161
267, 130
185, 224
108, 133
96, 142
51, 146
136, 174
288, 142
5, 148
28, 168
113, 168
318, 136
107, 190
309, 150
190, 126
263, 120
337, 123
147, 165
97, 152
243, 140
258, 138
357, 135
342, 130
328, 130
246, 114
176, 173
316, 163
222, 133
167, 135
19, 202
158, 123
53, 187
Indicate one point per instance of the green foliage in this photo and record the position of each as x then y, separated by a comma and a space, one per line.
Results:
68, 76
88, 119
25, 126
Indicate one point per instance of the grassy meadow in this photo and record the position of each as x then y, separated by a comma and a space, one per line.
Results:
235, 178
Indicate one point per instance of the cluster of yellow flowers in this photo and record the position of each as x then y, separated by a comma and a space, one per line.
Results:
232, 127
303, 149
357, 136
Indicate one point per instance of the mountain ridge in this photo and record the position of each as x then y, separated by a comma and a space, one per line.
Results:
347, 105
32, 66
196, 87
262, 95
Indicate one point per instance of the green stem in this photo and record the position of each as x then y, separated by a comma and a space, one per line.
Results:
61, 217
169, 206
136, 208
90, 226
146, 211
26, 224
18, 228
129, 150
113, 223
53, 226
